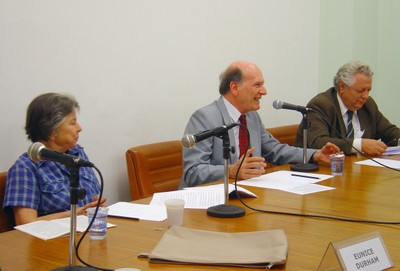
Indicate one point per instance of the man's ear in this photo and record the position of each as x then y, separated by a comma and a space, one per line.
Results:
340, 87
233, 86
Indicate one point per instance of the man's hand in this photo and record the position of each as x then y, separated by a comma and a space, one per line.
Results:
251, 167
323, 155
373, 147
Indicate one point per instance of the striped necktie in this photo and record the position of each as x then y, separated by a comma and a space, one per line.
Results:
350, 129
243, 137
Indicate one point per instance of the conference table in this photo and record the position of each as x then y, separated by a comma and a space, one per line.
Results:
361, 192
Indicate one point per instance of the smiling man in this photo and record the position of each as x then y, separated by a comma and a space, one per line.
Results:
348, 117
241, 89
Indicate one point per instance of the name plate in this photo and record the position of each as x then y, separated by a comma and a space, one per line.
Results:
362, 253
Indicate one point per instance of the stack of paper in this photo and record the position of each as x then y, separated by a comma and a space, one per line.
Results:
49, 229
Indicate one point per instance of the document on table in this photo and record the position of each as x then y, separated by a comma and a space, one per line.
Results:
194, 199
392, 151
201, 197
221, 187
386, 162
49, 229
290, 181
138, 211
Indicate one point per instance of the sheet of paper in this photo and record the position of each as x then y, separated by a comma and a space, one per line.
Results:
221, 187
82, 222
138, 211
194, 199
290, 181
49, 229
44, 229
308, 189
386, 162
392, 151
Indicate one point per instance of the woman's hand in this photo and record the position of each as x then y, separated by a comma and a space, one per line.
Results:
82, 210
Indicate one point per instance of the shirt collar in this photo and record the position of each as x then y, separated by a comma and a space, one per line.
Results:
343, 108
232, 110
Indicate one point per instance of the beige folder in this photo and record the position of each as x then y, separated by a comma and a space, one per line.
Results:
259, 249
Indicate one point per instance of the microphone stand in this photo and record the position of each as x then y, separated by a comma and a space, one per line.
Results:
75, 194
305, 166
226, 210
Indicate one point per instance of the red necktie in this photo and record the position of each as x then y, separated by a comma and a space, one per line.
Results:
243, 137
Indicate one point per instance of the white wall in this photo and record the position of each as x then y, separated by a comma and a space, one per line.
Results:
140, 68
365, 30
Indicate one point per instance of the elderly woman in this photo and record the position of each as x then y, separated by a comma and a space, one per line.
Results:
41, 190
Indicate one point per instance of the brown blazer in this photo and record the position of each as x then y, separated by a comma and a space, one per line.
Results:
327, 125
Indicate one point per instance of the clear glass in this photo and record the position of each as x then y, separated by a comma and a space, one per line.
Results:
99, 227
337, 164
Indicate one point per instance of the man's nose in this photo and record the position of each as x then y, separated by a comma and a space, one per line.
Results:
264, 91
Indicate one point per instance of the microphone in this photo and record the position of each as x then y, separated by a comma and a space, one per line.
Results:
278, 104
37, 151
188, 141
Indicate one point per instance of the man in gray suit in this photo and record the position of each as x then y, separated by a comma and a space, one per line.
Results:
241, 89
348, 117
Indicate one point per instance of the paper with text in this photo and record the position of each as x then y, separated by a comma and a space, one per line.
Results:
231, 189
304, 183
200, 197
49, 229
194, 199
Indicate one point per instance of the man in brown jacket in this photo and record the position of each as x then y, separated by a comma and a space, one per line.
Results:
364, 127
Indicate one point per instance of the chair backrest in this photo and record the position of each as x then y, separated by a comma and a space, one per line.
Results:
285, 134
6, 219
154, 168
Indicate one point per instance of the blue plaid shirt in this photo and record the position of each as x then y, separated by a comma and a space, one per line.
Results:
44, 185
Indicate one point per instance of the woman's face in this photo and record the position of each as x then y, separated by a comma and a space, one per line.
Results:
66, 135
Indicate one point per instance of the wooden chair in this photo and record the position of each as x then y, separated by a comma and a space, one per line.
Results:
285, 134
154, 168
6, 219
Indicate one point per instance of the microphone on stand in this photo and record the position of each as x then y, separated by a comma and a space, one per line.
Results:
278, 104
188, 140
37, 151
305, 166
225, 210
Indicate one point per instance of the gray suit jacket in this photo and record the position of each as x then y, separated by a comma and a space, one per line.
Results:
205, 163
372, 121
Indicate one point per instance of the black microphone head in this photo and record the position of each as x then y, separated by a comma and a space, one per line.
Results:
188, 141
277, 104
34, 151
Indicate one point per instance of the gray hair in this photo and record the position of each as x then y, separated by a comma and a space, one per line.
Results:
347, 71
45, 114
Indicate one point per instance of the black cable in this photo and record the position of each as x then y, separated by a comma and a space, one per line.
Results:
304, 215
